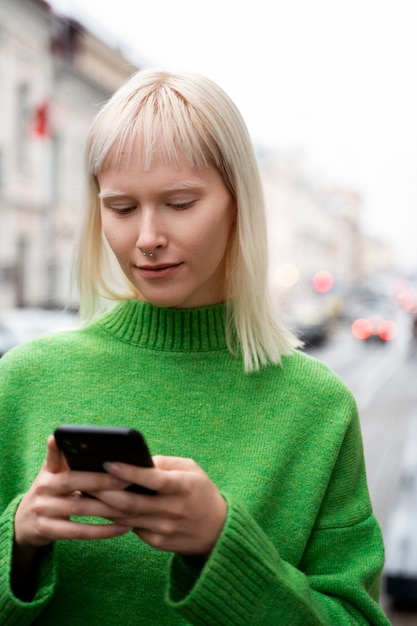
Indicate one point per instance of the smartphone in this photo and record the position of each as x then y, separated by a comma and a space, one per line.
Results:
86, 448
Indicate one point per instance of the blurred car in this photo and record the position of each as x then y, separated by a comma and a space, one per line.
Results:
375, 320
310, 322
374, 327
19, 325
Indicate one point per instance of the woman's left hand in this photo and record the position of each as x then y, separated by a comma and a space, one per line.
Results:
185, 516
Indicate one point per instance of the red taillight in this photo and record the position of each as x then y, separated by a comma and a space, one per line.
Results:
376, 326
387, 330
362, 328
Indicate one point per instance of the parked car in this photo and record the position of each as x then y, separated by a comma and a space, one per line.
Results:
19, 325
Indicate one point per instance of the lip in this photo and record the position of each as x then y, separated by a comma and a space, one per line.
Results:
158, 271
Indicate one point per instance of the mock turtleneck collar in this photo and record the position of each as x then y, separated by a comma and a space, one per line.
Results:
143, 324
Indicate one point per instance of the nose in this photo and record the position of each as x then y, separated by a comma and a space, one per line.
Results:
150, 231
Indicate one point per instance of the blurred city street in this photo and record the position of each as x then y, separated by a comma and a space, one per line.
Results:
383, 380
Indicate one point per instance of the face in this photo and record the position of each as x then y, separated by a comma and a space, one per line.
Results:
182, 215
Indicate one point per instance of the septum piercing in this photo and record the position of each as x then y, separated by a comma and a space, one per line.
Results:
147, 253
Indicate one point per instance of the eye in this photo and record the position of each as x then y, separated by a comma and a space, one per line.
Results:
180, 206
122, 210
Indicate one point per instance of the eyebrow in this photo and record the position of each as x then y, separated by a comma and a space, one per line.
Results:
110, 193
181, 186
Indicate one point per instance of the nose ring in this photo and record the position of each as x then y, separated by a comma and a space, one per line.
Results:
148, 253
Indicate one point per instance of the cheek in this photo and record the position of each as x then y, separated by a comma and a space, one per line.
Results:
118, 239
212, 242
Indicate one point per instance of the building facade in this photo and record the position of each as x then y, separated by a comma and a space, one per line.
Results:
54, 75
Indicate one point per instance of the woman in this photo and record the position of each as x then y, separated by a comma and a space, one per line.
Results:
262, 514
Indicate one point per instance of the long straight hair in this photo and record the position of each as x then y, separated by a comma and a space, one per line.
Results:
195, 120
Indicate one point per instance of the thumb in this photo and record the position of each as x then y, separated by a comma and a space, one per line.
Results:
55, 460
175, 463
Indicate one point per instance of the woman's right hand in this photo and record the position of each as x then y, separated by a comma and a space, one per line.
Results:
45, 510
44, 515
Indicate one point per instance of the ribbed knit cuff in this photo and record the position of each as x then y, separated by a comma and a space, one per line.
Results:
12, 610
229, 587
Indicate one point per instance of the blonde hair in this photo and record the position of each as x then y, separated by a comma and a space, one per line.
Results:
195, 119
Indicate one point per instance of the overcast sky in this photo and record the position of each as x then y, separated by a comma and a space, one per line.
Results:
333, 80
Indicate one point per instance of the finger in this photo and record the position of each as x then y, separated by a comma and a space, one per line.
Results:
165, 477
55, 460
68, 529
166, 543
80, 506
153, 523
175, 463
131, 505
131, 474
97, 481
73, 482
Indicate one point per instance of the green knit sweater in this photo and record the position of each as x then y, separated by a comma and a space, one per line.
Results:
300, 544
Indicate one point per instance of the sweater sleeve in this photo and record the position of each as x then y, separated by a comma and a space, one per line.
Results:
245, 581
12, 610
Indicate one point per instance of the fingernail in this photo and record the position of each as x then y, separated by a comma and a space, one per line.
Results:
111, 467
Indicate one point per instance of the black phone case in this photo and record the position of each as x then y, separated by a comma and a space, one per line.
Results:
86, 448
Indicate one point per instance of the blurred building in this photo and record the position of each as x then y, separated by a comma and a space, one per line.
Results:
54, 75
377, 257
313, 232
